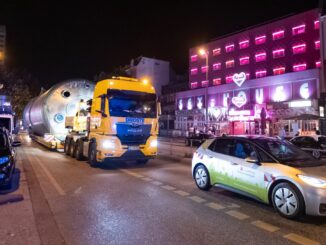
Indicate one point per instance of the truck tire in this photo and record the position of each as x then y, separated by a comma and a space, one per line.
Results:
66, 146
71, 148
92, 155
79, 150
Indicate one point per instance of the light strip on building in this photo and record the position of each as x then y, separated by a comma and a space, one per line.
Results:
238, 113
300, 103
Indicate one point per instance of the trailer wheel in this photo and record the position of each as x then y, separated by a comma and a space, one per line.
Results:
92, 155
79, 150
67, 144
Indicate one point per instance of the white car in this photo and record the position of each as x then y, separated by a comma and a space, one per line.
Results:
266, 169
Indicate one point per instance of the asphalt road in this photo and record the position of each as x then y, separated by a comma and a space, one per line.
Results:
157, 203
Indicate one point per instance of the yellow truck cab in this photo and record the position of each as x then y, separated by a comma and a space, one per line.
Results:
122, 123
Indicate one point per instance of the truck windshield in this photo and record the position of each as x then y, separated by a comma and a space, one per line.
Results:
126, 103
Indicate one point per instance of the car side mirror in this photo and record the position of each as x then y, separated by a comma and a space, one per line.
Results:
16, 143
252, 160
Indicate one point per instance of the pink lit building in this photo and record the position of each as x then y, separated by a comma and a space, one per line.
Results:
274, 68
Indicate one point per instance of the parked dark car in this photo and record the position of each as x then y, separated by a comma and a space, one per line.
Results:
7, 158
197, 139
314, 144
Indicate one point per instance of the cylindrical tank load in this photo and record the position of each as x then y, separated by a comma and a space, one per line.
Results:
45, 114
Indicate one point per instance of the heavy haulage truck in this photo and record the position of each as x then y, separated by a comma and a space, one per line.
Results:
44, 116
119, 123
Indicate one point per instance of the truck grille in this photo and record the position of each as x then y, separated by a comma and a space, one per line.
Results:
133, 139
131, 134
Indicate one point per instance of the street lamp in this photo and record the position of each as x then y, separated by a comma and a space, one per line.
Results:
204, 52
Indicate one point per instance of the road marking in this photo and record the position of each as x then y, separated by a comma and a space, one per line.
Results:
147, 179
215, 205
233, 205
237, 215
300, 239
265, 226
197, 199
157, 182
78, 190
168, 187
182, 193
49, 175
136, 175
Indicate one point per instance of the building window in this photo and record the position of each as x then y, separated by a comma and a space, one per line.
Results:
260, 39
278, 53
278, 35
318, 64
217, 81
204, 69
299, 49
194, 58
316, 24
261, 56
229, 48
261, 73
229, 63
247, 76
279, 70
216, 51
317, 44
229, 79
244, 60
194, 71
217, 66
298, 29
300, 67
244, 44
194, 84
204, 83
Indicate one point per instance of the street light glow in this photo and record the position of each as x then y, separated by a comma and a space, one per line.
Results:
202, 52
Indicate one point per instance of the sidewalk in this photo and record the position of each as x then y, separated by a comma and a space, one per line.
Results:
17, 224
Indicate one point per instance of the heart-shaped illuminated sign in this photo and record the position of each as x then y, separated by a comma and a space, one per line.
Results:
239, 78
240, 100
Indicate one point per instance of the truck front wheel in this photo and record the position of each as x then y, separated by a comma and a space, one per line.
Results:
79, 150
92, 156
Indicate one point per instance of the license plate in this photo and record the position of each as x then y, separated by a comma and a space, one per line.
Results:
133, 148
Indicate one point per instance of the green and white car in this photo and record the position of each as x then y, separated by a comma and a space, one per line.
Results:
266, 169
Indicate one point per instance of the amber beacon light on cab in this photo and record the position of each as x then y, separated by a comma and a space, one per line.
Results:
119, 123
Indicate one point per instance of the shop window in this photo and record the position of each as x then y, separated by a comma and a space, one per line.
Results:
204, 69
194, 71
300, 67
279, 70
299, 49
216, 51
244, 60
229, 48
278, 53
229, 63
318, 64
298, 30
204, 83
317, 44
217, 66
260, 39
244, 44
261, 73
194, 58
278, 35
261, 56
194, 84
229, 79
217, 81
316, 24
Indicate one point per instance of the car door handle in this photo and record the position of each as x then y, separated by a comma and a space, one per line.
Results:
233, 163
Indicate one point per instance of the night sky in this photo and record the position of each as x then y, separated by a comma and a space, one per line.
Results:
55, 41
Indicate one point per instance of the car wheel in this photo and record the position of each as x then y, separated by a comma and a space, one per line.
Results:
92, 156
316, 154
79, 150
287, 200
202, 178
66, 146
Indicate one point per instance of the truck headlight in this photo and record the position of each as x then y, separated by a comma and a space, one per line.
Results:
312, 181
153, 143
108, 144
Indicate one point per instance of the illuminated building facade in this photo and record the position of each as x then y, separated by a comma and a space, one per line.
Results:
274, 68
